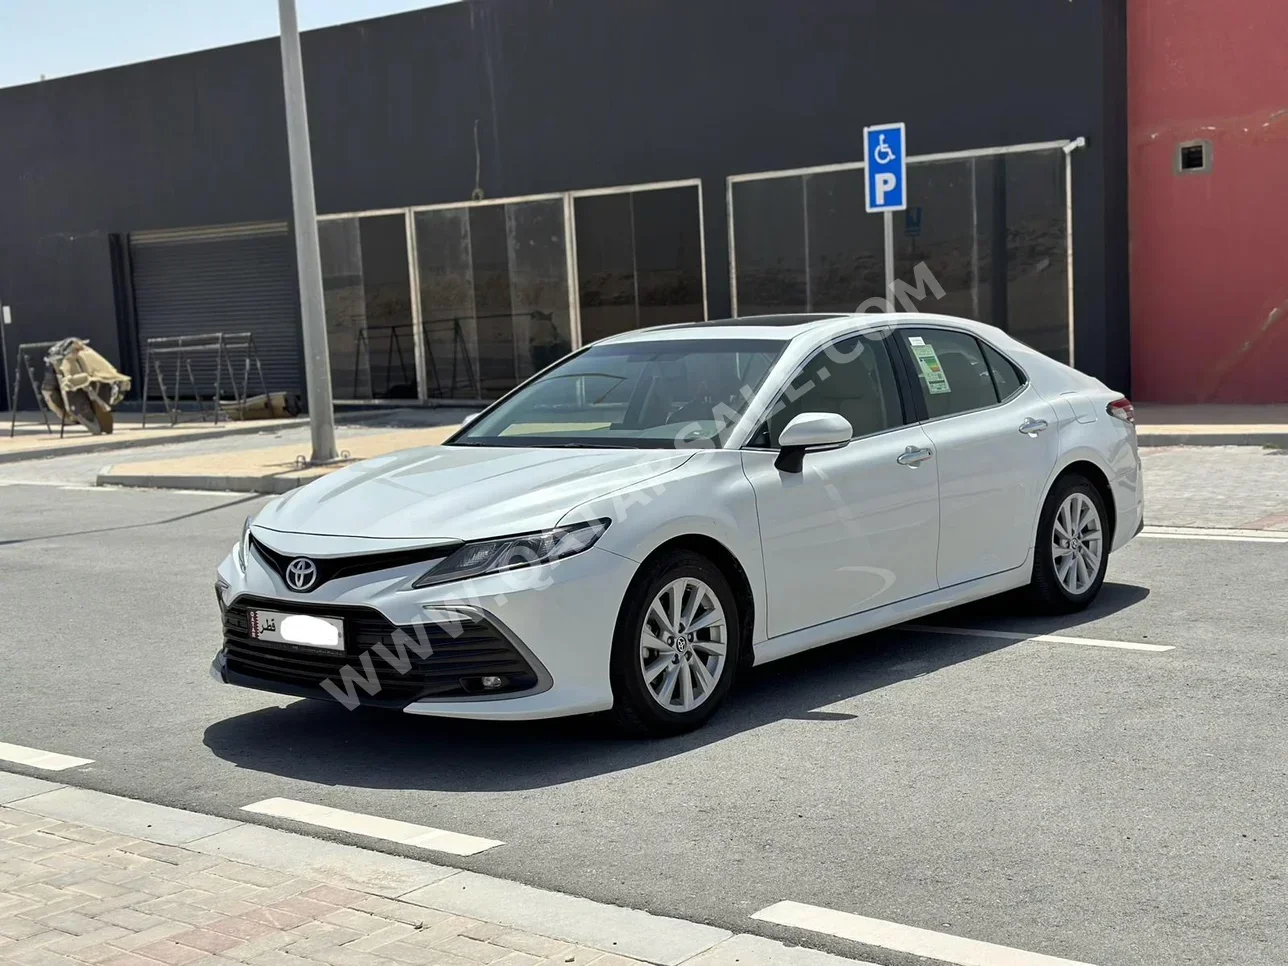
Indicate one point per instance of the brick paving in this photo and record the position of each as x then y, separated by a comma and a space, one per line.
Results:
1217, 486
72, 894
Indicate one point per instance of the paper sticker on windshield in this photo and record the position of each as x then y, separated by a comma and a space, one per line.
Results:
916, 340
936, 381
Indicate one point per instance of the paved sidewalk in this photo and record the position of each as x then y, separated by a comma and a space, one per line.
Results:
147, 885
31, 440
267, 470
1159, 424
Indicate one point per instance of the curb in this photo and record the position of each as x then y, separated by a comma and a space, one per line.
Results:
609, 929
268, 485
1275, 438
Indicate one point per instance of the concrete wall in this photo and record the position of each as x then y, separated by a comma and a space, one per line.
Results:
564, 94
1209, 252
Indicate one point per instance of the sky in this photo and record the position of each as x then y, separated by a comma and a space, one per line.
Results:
60, 37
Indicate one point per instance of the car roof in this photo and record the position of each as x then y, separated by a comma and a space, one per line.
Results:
784, 327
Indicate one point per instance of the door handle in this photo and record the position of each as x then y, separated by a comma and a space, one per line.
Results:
913, 456
1031, 426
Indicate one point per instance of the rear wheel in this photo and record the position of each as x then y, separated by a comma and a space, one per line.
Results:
1072, 548
676, 646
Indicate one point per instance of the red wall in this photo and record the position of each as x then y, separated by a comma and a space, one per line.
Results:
1209, 252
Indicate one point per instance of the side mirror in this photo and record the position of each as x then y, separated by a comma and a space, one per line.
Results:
810, 432
469, 419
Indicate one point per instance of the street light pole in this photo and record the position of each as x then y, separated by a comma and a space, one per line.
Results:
317, 364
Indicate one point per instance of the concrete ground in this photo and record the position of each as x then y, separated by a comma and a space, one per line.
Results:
1094, 803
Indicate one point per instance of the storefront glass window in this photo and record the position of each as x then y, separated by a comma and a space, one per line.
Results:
493, 295
639, 260
992, 230
367, 293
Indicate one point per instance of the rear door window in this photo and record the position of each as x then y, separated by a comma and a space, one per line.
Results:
950, 371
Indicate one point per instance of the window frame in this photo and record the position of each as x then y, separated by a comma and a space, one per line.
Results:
910, 370
907, 411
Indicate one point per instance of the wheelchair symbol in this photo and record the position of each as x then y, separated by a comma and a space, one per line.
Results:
882, 153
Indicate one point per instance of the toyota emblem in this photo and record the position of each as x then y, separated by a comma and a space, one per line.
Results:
301, 574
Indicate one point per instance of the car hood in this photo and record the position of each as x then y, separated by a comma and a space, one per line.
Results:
460, 492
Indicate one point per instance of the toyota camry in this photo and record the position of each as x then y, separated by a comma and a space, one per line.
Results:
638, 524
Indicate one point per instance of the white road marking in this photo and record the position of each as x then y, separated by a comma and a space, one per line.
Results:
904, 939
1041, 638
421, 836
35, 758
1215, 533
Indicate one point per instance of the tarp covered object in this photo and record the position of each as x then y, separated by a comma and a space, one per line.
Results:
81, 385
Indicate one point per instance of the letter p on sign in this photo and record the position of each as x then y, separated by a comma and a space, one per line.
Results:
886, 183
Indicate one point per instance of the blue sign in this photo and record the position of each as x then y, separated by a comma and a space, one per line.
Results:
887, 167
912, 221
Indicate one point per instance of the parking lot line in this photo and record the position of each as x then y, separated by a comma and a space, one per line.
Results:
1042, 638
372, 826
904, 939
1214, 533
35, 758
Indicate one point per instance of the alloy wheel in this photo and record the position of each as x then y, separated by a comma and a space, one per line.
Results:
1077, 543
683, 644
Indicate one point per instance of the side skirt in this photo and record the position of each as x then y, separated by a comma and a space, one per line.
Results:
905, 610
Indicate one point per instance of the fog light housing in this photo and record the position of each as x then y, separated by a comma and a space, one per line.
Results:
486, 683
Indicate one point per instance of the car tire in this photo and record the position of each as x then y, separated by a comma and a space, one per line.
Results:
1071, 553
680, 696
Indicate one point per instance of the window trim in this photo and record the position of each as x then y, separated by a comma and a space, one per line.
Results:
907, 411
910, 365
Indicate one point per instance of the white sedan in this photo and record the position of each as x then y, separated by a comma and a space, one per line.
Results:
633, 527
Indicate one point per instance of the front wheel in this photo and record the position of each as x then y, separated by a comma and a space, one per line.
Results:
676, 646
1072, 549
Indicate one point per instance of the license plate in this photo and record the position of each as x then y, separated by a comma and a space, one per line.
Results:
304, 630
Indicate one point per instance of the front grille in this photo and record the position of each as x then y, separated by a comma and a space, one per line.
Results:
333, 568
452, 670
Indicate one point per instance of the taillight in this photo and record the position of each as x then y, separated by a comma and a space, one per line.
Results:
1122, 409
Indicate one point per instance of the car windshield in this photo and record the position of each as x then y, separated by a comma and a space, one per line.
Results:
645, 395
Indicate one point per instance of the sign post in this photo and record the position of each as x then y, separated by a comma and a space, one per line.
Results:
885, 154
6, 320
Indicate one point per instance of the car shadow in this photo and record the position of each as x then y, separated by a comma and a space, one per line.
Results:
321, 742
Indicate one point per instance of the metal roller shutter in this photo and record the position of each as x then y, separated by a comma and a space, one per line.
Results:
228, 278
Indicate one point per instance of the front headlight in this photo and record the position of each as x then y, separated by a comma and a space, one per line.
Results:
511, 553
239, 552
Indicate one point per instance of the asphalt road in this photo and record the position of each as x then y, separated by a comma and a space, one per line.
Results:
1110, 806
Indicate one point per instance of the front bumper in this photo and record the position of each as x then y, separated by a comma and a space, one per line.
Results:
557, 620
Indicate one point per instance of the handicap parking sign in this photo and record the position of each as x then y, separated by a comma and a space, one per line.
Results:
887, 167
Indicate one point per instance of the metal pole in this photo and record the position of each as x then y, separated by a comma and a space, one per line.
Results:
889, 253
317, 363
4, 355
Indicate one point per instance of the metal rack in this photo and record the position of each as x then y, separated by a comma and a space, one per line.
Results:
183, 349
25, 351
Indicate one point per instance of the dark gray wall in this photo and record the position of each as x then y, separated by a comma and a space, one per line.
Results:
565, 94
